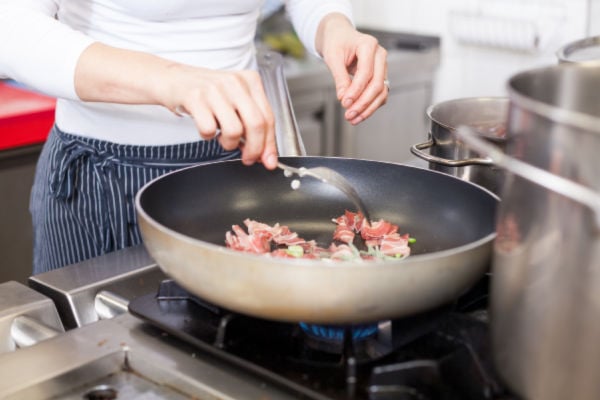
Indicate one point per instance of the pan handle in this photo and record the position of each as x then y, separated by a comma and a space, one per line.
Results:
548, 180
416, 150
270, 68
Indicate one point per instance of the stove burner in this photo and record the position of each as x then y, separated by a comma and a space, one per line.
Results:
442, 354
336, 333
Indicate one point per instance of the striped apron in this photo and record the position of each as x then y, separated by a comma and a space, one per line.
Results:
82, 200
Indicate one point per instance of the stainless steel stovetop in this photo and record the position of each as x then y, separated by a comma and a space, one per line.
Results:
108, 353
105, 352
121, 356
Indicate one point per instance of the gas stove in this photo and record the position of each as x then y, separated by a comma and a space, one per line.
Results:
121, 358
171, 344
442, 354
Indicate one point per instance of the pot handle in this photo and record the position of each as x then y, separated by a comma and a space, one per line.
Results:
416, 150
270, 68
548, 180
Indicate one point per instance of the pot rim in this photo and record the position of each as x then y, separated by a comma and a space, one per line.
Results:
475, 99
576, 119
567, 50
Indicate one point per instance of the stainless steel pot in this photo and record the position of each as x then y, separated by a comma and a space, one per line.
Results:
545, 298
447, 154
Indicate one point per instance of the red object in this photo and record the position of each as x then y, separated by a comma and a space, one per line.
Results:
25, 116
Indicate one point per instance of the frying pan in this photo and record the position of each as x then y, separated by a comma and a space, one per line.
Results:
183, 217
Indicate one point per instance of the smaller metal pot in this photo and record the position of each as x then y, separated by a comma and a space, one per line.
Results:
448, 154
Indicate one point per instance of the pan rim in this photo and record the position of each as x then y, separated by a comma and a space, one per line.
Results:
309, 263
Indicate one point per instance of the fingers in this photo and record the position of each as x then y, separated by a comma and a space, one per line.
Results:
242, 117
360, 55
262, 135
235, 103
340, 73
365, 53
375, 92
203, 118
377, 102
368, 96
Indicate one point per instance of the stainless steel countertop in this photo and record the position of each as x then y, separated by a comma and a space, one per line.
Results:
132, 358
121, 353
17, 301
75, 289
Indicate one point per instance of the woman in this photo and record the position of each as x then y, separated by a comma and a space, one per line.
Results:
125, 70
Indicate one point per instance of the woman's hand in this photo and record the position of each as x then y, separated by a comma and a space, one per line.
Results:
233, 102
358, 65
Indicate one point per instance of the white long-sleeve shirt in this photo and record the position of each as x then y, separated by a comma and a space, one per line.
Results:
41, 41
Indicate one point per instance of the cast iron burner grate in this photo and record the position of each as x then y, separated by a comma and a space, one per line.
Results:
439, 355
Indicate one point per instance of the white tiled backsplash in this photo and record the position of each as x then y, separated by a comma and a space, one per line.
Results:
484, 42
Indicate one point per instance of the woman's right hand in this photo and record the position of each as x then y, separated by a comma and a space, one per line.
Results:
233, 102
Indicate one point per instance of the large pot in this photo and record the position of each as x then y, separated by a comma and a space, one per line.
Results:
545, 297
583, 50
447, 154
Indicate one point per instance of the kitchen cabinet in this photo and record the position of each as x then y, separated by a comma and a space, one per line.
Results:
389, 133
17, 167
312, 94
315, 115
25, 120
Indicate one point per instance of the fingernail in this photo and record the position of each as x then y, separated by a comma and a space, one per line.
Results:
347, 102
351, 114
272, 161
357, 120
340, 93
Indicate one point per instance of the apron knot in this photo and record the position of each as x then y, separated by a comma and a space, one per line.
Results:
67, 162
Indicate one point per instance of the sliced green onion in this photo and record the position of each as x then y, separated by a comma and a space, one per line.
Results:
295, 251
412, 240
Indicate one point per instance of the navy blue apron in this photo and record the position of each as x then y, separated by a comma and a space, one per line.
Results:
82, 200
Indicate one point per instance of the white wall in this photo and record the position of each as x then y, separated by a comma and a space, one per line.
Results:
484, 42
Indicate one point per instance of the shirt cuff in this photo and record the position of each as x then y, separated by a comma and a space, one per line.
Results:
306, 15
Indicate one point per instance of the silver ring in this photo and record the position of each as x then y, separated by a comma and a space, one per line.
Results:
386, 82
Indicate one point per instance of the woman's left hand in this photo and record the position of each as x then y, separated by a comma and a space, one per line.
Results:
358, 65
